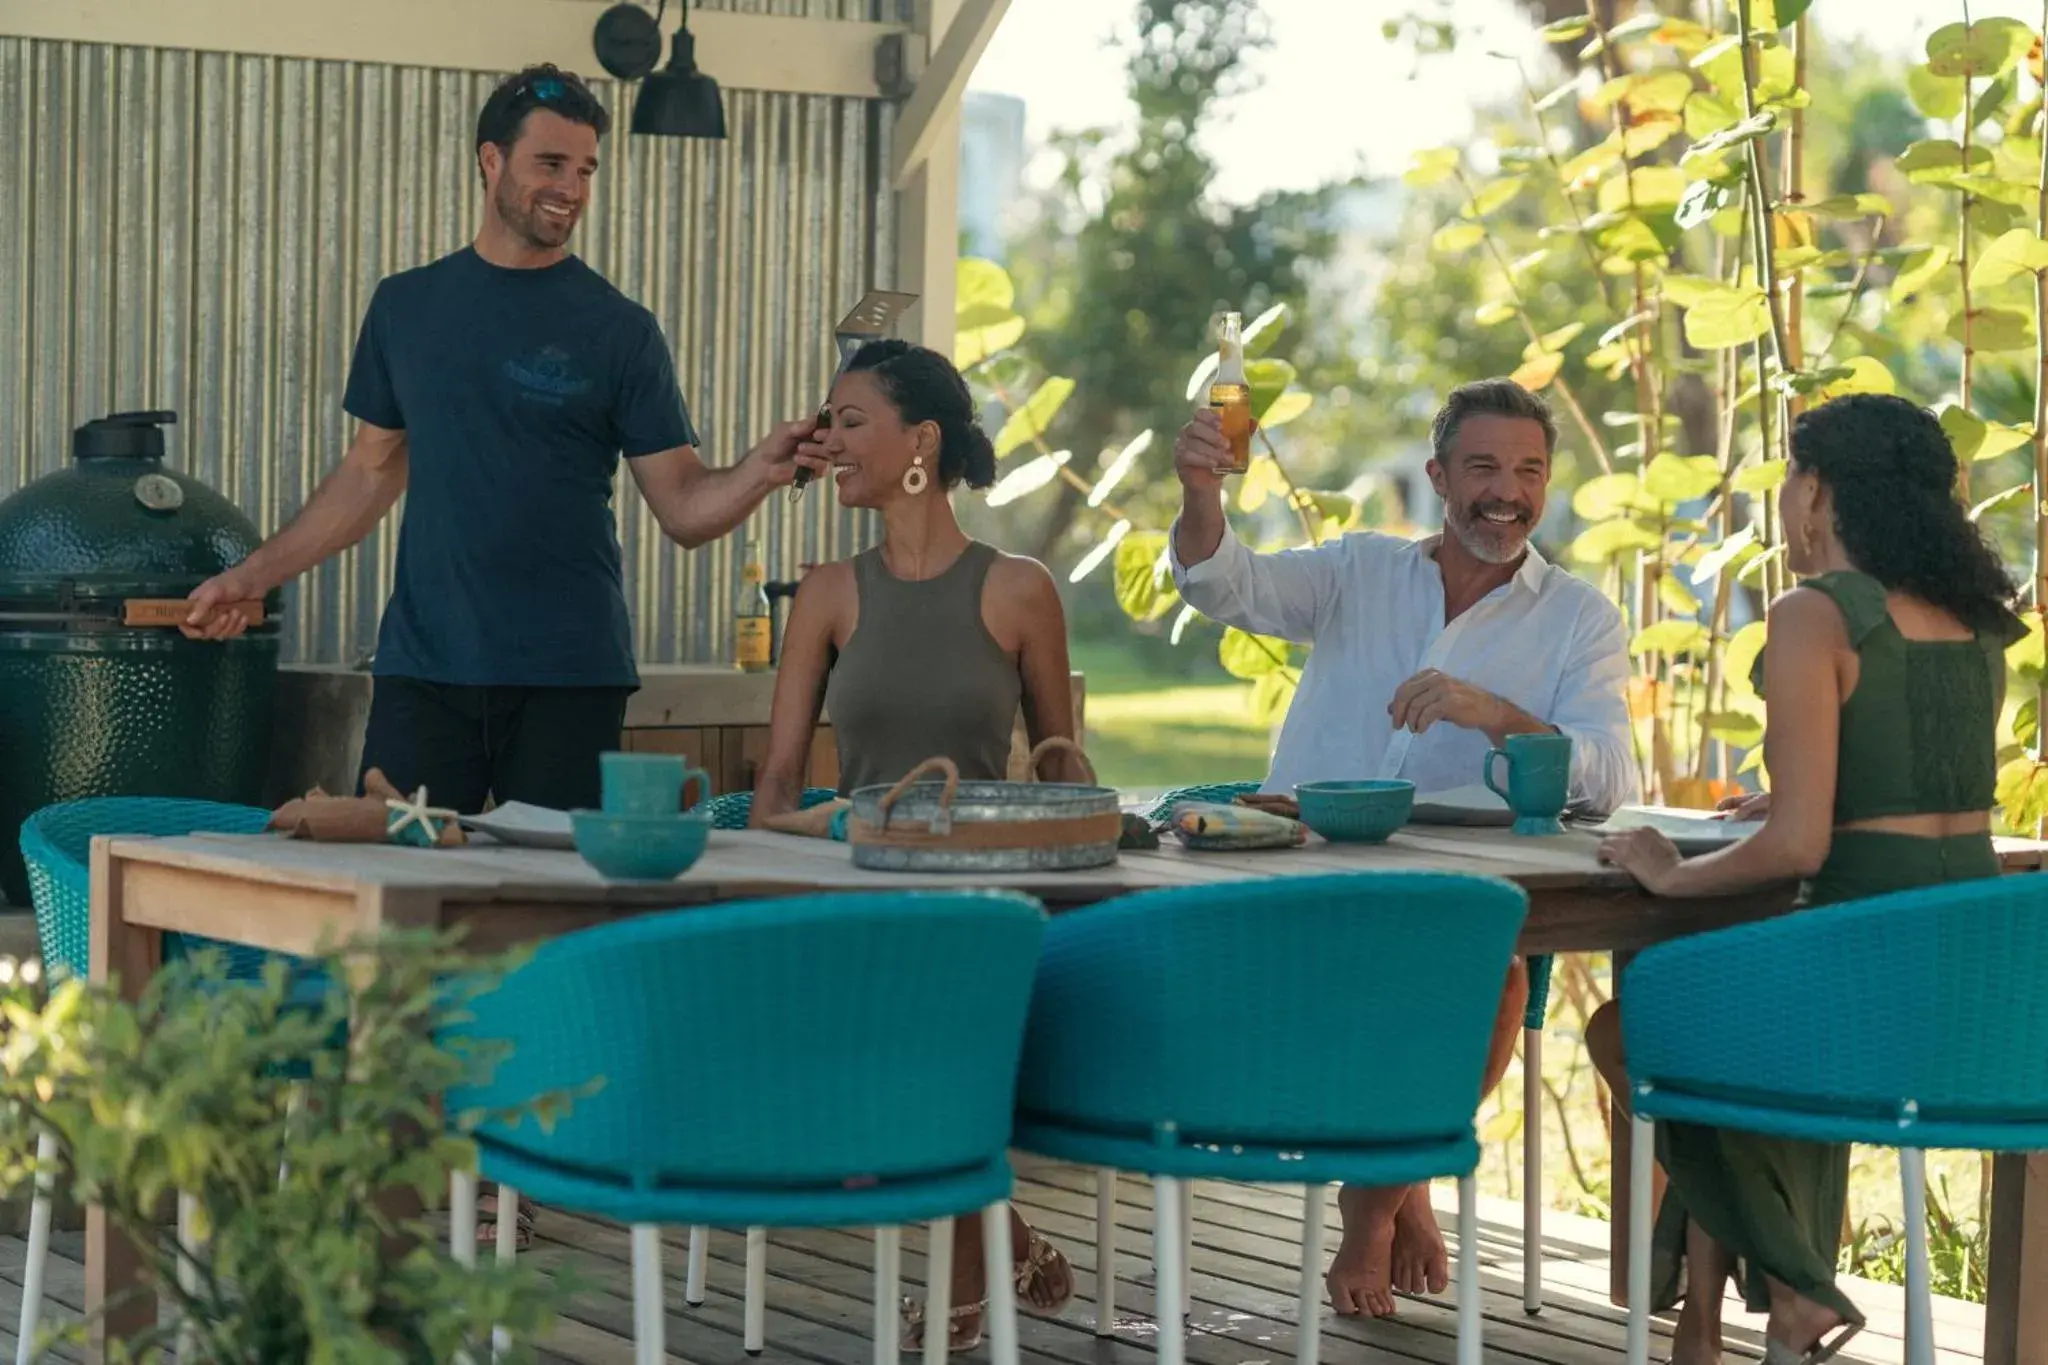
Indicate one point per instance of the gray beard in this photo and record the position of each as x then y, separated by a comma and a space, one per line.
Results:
1475, 541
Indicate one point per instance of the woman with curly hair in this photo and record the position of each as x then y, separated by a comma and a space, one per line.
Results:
925, 645
1884, 672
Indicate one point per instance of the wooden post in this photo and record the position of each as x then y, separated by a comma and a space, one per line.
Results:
2016, 1301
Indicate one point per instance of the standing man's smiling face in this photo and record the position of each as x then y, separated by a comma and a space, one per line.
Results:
1493, 480
539, 187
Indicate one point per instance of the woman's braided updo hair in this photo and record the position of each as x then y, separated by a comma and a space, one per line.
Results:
925, 387
1892, 474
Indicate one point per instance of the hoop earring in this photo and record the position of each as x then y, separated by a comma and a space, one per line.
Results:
914, 478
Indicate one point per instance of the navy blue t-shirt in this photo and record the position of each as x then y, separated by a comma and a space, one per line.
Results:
517, 391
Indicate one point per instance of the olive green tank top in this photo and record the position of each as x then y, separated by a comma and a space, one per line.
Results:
1919, 734
922, 677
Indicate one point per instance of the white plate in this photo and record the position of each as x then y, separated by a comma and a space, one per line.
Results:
1692, 831
525, 826
1474, 805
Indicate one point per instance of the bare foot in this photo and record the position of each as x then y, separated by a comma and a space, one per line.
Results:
1421, 1265
1799, 1323
1361, 1274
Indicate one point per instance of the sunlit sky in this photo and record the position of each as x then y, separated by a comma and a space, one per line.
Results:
1334, 96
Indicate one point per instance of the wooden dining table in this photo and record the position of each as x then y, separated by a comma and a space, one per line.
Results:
293, 896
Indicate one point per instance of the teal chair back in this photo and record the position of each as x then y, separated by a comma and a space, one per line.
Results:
778, 1044
1341, 1011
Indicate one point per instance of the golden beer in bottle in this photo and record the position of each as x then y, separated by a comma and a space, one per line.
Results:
753, 619
1231, 396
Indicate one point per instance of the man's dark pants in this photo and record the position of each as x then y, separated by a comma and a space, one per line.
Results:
538, 745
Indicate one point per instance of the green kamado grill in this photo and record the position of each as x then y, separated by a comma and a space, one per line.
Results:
100, 694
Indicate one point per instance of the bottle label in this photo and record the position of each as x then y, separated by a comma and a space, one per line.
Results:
753, 573
751, 641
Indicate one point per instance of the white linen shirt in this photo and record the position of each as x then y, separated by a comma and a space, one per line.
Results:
1372, 608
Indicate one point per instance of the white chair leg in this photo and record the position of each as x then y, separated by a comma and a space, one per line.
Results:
1532, 1170
38, 1246
508, 1246
1169, 1292
755, 1338
938, 1292
1469, 1319
1919, 1295
650, 1325
1000, 1268
1187, 1250
700, 1253
1105, 1251
462, 1217
294, 1105
188, 1270
888, 1277
1308, 1314
1642, 1167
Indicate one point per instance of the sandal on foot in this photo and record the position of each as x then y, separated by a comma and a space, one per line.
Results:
959, 1335
1778, 1353
1039, 1257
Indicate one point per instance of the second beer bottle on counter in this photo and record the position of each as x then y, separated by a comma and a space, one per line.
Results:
753, 619
1231, 396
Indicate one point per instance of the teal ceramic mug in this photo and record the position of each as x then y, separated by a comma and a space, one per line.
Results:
1539, 780
649, 784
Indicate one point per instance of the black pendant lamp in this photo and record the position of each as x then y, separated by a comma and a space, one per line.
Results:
680, 100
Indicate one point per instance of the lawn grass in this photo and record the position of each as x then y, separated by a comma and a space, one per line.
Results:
1145, 737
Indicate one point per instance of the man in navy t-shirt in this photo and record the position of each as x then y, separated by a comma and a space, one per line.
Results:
497, 388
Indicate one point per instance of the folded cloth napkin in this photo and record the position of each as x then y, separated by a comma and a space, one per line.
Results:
1212, 827
365, 819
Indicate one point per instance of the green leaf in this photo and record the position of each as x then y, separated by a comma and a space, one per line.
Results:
2022, 794
1251, 656
982, 284
983, 331
1268, 379
1598, 544
1966, 431
1674, 479
1722, 65
1703, 199
1555, 340
2008, 498
1433, 167
1119, 467
1495, 313
1727, 317
1029, 423
1687, 290
1286, 408
1272, 694
1994, 329
1028, 477
2025, 655
1647, 187
1265, 330
1494, 197
1759, 478
1985, 49
1740, 654
1567, 29
1938, 161
1752, 762
1661, 91
2010, 193
2019, 252
1920, 270
1706, 114
1608, 495
2026, 723
1561, 95
1867, 374
1734, 727
1840, 206
1676, 597
1938, 97
1630, 241
2000, 439
1748, 130
1671, 637
1144, 587
1737, 550
1456, 237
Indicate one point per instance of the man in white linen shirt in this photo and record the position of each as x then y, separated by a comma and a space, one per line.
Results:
1426, 654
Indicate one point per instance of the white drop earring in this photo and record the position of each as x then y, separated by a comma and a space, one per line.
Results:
914, 478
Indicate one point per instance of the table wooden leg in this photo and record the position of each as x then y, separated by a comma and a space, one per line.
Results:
2016, 1299
113, 1263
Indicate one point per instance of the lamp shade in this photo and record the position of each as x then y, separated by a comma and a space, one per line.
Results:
680, 100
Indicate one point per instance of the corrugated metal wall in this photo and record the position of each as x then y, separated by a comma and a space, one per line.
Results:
201, 232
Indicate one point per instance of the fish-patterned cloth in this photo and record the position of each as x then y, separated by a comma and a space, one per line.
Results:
1212, 827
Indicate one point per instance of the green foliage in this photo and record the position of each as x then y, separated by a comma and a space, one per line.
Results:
185, 1091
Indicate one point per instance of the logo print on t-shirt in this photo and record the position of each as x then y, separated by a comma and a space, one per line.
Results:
546, 376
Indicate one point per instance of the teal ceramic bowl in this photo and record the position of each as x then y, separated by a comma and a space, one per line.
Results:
1356, 812
640, 848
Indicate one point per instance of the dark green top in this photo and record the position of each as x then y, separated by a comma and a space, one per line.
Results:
1919, 733
921, 677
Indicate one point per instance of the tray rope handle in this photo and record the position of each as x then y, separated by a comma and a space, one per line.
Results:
942, 819
1057, 742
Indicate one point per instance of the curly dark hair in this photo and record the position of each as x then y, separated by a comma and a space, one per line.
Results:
925, 387
1892, 473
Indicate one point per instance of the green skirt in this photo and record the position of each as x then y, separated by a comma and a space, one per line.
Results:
1776, 1204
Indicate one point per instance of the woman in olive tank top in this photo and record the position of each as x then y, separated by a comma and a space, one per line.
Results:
928, 645
1884, 674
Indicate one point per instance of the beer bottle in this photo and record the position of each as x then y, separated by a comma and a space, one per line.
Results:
753, 619
1231, 396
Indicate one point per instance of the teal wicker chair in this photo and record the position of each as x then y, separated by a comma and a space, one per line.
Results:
1533, 1021
734, 809
1191, 1034
1911, 1021
837, 1018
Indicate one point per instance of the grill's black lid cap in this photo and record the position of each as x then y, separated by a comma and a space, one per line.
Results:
122, 436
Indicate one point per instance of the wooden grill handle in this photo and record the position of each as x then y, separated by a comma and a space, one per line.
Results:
173, 611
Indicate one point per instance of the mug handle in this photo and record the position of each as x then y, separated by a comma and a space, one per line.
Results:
1486, 773
703, 781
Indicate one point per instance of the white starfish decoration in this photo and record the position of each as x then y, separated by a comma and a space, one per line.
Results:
416, 811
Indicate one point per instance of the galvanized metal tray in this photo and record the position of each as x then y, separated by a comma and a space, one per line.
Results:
947, 825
